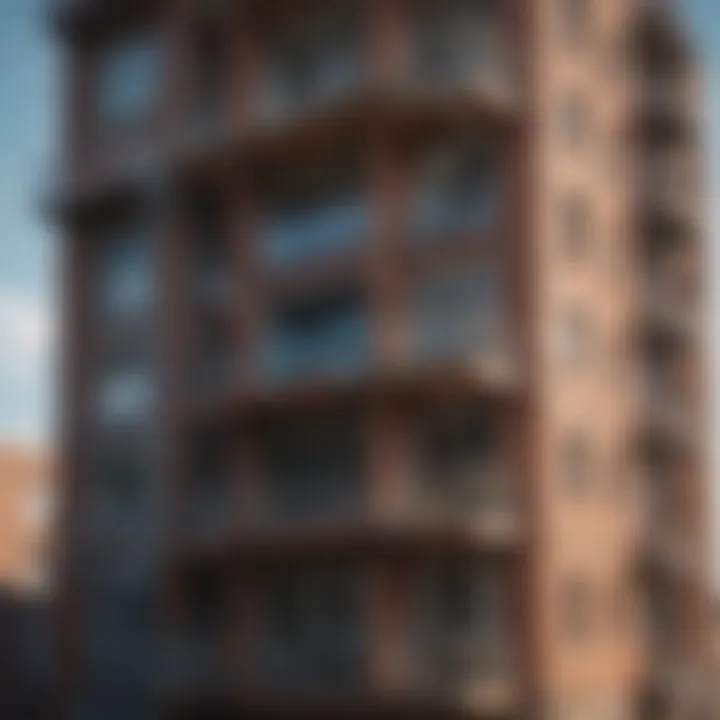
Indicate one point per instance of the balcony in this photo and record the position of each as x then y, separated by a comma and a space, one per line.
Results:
668, 416
140, 172
666, 106
665, 543
670, 305
659, 30
460, 649
480, 679
485, 372
79, 18
486, 505
455, 667
667, 202
398, 535
485, 520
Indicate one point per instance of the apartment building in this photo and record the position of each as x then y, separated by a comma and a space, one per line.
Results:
384, 376
25, 501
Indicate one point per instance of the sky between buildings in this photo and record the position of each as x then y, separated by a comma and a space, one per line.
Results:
28, 100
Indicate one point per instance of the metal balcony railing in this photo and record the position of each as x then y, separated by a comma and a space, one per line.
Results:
669, 304
477, 75
665, 542
477, 671
665, 97
483, 497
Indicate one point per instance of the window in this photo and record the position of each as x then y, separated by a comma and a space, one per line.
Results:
122, 489
128, 81
457, 42
457, 190
215, 357
460, 461
623, 610
125, 395
464, 629
314, 61
660, 490
576, 228
575, 340
458, 313
661, 604
212, 259
126, 273
314, 633
213, 284
320, 214
120, 634
577, 609
576, 18
204, 660
323, 334
314, 471
209, 500
574, 120
578, 463
211, 75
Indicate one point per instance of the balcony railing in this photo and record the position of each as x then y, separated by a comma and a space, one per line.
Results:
470, 75
483, 499
669, 304
293, 238
478, 672
668, 411
665, 541
664, 98
668, 201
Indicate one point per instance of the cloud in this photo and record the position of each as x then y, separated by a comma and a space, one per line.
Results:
25, 331
26, 341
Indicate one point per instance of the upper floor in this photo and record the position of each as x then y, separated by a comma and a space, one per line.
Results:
168, 81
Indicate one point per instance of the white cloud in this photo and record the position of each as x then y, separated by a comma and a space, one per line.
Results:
25, 331
26, 340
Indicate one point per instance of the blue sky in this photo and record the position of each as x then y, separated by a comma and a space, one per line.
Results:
26, 131
26, 248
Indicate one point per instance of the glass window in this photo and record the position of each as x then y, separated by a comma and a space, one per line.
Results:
323, 334
314, 472
129, 78
457, 190
126, 273
578, 461
209, 500
459, 458
577, 608
576, 227
211, 252
213, 284
313, 628
575, 339
203, 661
125, 394
215, 355
211, 75
120, 638
320, 214
574, 120
125, 479
458, 41
314, 61
576, 16
464, 628
458, 312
